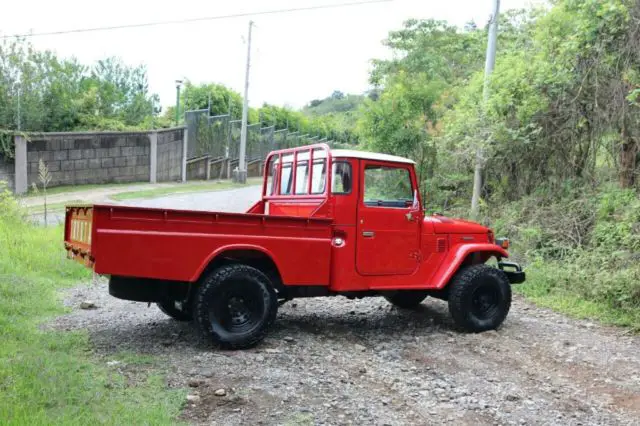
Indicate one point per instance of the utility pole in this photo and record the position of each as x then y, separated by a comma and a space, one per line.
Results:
178, 84
241, 175
488, 69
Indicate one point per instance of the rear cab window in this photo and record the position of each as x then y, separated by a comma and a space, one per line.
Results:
301, 175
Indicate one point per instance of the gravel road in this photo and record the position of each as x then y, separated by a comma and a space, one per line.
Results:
334, 361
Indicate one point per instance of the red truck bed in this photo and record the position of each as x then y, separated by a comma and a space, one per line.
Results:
178, 244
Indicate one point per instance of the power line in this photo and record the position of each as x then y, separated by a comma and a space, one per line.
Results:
188, 20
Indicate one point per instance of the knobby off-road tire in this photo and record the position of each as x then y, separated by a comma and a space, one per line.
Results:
235, 306
169, 308
406, 299
479, 298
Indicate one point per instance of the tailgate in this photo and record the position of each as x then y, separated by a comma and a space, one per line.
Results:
78, 230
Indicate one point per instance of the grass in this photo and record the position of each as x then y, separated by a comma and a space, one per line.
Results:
65, 189
574, 306
132, 358
52, 207
554, 286
49, 377
182, 189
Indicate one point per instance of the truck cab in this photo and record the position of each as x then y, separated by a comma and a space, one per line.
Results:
328, 223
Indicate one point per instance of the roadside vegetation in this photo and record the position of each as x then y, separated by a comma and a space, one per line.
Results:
68, 189
53, 207
583, 251
48, 376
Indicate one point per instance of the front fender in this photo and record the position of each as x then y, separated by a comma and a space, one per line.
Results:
456, 257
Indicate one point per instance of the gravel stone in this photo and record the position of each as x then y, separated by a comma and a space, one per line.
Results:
193, 398
88, 304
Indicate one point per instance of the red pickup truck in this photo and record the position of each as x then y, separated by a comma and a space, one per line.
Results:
329, 223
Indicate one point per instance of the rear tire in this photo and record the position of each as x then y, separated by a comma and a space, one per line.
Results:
170, 309
406, 299
235, 306
479, 298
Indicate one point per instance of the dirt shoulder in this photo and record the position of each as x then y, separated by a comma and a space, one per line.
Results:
92, 195
335, 361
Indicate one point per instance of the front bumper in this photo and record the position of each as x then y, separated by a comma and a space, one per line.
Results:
514, 272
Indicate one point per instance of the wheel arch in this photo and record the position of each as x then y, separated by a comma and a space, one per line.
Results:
464, 255
251, 255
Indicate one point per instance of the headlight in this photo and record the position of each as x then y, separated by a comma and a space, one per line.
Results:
503, 242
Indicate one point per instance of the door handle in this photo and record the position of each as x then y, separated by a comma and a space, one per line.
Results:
368, 234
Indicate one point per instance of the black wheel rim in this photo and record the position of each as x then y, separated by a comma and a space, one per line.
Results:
485, 301
237, 309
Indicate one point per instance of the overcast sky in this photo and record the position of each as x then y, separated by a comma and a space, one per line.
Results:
296, 56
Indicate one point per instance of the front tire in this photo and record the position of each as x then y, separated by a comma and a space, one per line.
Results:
234, 306
479, 298
406, 299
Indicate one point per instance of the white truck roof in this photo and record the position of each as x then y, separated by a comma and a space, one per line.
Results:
349, 153
352, 153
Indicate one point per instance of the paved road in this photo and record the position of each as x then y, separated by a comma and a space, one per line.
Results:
233, 200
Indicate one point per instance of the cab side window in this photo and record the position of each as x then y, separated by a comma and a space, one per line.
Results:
386, 186
341, 178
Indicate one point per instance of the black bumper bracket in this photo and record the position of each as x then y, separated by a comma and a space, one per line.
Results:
514, 272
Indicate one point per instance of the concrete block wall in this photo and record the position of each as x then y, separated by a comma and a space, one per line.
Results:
7, 172
100, 157
85, 158
170, 155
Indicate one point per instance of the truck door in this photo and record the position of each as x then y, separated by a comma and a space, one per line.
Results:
389, 219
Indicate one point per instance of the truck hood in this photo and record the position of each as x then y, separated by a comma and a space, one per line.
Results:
446, 225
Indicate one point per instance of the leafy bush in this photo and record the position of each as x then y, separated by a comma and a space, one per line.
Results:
582, 251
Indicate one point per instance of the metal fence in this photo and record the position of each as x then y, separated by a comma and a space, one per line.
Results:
194, 122
219, 137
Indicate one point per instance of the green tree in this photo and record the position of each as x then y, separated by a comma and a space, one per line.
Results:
42, 92
562, 99
218, 98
